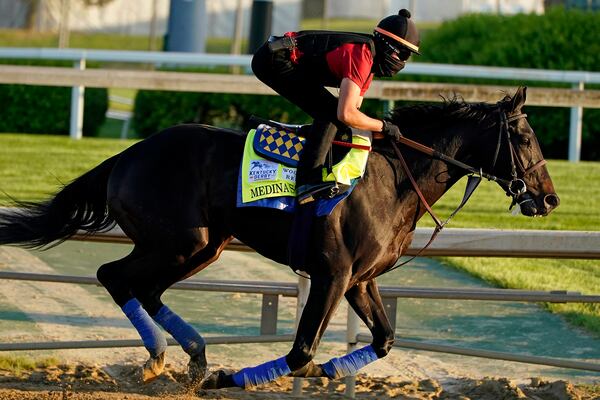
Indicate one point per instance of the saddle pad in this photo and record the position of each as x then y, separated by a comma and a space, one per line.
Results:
322, 207
278, 145
269, 184
262, 178
264, 183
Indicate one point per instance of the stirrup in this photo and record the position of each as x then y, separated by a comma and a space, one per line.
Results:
311, 192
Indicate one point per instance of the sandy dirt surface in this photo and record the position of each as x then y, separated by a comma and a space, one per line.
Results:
89, 382
67, 312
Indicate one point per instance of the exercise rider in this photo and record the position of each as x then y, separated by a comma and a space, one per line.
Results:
299, 65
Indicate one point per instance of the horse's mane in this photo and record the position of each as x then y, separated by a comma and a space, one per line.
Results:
449, 111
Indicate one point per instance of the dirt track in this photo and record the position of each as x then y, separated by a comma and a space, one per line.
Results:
81, 382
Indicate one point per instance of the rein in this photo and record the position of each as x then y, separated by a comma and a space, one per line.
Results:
514, 187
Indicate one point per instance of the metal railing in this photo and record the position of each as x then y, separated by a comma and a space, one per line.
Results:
460, 242
271, 291
577, 79
268, 331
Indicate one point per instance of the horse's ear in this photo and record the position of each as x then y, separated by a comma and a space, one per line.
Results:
519, 98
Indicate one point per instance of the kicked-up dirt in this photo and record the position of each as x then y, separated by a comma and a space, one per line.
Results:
83, 382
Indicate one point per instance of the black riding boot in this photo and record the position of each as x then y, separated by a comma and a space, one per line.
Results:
309, 175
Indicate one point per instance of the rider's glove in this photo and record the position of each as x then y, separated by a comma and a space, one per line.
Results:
390, 129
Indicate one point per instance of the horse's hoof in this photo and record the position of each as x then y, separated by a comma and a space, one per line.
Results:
153, 368
197, 369
218, 380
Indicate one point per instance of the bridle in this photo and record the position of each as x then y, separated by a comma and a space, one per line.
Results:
515, 186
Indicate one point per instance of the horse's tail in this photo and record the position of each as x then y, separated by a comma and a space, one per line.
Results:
79, 205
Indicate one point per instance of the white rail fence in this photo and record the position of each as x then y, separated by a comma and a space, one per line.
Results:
462, 242
79, 77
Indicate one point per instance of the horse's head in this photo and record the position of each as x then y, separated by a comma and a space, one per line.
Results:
518, 161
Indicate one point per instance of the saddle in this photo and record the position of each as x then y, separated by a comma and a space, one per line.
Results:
283, 143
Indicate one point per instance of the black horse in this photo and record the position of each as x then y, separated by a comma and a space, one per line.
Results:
174, 195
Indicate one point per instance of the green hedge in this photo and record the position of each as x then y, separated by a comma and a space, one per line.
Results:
559, 39
46, 109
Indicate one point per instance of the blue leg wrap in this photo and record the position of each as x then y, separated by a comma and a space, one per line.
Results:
350, 363
191, 342
153, 338
260, 374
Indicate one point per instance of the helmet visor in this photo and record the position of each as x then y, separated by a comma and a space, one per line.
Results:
414, 48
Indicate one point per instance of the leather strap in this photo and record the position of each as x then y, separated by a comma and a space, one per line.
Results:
416, 187
351, 145
472, 184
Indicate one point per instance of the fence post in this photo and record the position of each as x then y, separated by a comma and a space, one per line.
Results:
352, 327
77, 92
576, 128
391, 305
303, 289
268, 315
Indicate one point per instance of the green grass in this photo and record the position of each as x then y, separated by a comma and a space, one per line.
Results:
78, 40
33, 166
577, 185
24, 38
542, 274
18, 365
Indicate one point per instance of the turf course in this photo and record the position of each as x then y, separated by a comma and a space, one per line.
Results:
33, 166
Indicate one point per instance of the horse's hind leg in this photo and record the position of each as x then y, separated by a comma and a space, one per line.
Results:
149, 289
136, 283
118, 277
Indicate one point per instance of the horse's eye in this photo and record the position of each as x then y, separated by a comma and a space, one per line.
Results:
524, 140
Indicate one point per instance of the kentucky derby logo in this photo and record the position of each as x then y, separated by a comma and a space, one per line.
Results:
262, 171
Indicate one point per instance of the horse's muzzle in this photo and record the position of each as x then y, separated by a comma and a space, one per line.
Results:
551, 201
540, 206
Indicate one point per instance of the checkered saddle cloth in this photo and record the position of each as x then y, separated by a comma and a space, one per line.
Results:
278, 144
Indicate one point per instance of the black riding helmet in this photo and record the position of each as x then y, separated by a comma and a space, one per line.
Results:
396, 38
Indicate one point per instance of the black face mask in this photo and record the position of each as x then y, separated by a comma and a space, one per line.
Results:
387, 66
389, 59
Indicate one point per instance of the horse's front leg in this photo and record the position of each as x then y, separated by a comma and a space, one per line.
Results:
324, 297
364, 298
